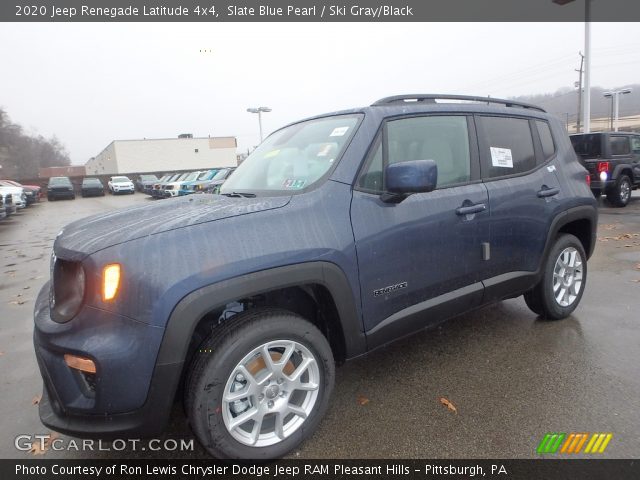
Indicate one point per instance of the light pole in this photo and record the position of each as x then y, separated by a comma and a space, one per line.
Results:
586, 111
614, 95
259, 111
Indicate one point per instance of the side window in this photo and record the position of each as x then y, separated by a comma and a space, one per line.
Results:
620, 145
444, 139
548, 148
635, 145
509, 146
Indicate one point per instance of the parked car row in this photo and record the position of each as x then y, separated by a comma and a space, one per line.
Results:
187, 183
14, 196
62, 187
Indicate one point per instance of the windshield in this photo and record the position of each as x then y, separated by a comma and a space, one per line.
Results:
120, 179
59, 181
148, 178
207, 175
220, 175
192, 176
588, 146
295, 157
182, 177
91, 180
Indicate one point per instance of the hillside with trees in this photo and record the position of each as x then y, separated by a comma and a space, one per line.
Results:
564, 102
22, 154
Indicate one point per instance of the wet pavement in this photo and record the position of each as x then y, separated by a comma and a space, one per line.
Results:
511, 377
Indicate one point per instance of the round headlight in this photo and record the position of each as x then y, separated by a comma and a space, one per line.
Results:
68, 289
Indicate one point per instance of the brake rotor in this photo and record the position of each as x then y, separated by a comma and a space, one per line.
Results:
258, 364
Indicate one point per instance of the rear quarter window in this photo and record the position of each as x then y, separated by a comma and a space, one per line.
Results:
546, 139
620, 145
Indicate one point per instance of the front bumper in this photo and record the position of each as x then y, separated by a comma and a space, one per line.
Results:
131, 396
123, 189
60, 193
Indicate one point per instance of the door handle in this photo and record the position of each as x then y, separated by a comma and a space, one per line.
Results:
548, 192
471, 209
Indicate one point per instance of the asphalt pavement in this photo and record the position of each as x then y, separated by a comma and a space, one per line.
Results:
510, 376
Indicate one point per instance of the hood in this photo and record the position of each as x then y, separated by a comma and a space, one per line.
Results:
89, 235
12, 190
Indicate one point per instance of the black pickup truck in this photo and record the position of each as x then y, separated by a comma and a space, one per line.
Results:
613, 162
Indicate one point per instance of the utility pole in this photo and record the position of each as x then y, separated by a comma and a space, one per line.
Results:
580, 91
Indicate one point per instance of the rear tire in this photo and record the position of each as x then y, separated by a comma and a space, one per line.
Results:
620, 194
564, 277
284, 400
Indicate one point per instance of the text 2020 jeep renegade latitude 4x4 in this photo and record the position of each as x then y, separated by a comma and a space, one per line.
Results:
337, 235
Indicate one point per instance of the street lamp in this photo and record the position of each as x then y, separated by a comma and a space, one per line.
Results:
586, 111
259, 111
614, 95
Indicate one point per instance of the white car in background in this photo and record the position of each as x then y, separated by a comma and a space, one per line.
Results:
17, 194
121, 185
172, 189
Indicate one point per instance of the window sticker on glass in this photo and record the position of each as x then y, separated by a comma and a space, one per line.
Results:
294, 184
501, 157
339, 131
271, 154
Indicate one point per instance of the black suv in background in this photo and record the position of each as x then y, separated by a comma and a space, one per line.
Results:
613, 162
337, 235
60, 187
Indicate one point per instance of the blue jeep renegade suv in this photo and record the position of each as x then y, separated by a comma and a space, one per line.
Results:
337, 235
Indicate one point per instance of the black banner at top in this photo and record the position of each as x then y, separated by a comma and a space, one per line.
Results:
319, 10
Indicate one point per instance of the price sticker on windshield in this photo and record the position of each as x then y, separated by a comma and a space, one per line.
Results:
339, 131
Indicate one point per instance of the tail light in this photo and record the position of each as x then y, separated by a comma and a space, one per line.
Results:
603, 170
588, 180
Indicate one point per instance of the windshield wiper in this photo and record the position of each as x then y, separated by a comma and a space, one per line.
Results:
239, 194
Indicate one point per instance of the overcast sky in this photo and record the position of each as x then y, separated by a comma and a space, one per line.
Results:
92, 83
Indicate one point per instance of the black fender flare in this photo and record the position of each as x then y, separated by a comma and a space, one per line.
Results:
583, 212
617, 171
190, 310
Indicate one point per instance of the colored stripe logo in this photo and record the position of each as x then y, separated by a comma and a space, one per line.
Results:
574, 443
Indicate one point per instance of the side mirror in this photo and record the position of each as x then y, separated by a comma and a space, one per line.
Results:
405, 178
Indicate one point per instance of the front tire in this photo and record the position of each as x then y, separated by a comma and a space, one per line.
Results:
259, 385
564, 277
620, 194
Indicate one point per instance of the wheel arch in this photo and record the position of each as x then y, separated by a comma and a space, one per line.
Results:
623, 169
317, 278
582, 222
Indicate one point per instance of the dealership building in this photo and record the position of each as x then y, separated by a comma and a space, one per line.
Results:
164, 155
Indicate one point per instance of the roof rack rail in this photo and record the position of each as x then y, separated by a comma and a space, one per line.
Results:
431, 98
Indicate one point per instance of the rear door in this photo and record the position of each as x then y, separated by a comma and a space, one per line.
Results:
516, 156
423, 254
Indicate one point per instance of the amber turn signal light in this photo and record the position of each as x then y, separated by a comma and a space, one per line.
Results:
110, 281
80, 363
